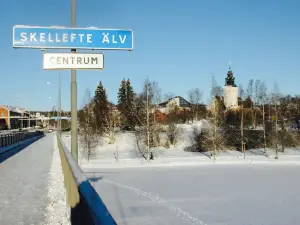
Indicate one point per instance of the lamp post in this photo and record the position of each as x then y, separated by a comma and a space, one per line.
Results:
59, 103
49, 115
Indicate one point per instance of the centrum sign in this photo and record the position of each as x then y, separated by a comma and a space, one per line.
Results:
60, 61
72, 38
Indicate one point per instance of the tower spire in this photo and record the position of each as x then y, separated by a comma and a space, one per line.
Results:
229, 80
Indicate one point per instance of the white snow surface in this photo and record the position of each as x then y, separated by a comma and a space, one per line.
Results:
126, 145
180, 187
57, 212
184, 216
129, 155
212, 194
24, 180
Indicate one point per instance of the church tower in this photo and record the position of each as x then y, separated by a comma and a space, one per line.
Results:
230, 91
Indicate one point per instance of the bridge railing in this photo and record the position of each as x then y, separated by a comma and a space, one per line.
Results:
86, 205
16, 137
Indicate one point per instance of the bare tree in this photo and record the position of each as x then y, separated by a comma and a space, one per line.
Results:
195, 96
155, 100
261, 95
88, 132
112, 119
142, 114
216, 89
256, 91
269, 101
156, 93
251, 98
297, 101
250, 91
287, 111
215, 138
173, 133
256, 103
275, 100
242, 121
147, 85
172, 130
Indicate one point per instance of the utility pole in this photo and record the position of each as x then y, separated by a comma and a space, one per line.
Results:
74, 144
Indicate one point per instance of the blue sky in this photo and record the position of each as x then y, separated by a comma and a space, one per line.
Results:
180, 44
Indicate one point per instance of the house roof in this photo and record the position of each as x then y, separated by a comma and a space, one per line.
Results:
180, 102
4, 107
13, 109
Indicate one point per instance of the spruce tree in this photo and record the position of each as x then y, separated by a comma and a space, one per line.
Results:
122, 101
101, 108
129, 107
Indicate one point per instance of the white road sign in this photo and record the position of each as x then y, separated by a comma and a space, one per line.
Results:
60, 61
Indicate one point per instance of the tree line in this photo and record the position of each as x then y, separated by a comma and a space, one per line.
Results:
262, 120
267, 120
136, 112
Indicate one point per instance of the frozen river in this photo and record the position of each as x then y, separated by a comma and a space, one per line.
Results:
208, 194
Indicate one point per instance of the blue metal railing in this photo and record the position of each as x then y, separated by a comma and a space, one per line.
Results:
86, 205
13, 138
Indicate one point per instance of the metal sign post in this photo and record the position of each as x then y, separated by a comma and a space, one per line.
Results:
74, 144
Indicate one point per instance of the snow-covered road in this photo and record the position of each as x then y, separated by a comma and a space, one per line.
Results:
211, 194
26, 179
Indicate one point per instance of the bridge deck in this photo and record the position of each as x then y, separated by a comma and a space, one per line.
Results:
23, 184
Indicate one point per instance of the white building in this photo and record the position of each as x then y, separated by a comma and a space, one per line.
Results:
230, 91
230, 96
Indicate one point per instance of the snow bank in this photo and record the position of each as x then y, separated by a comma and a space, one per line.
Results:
127, 147
127, 150
58, 211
